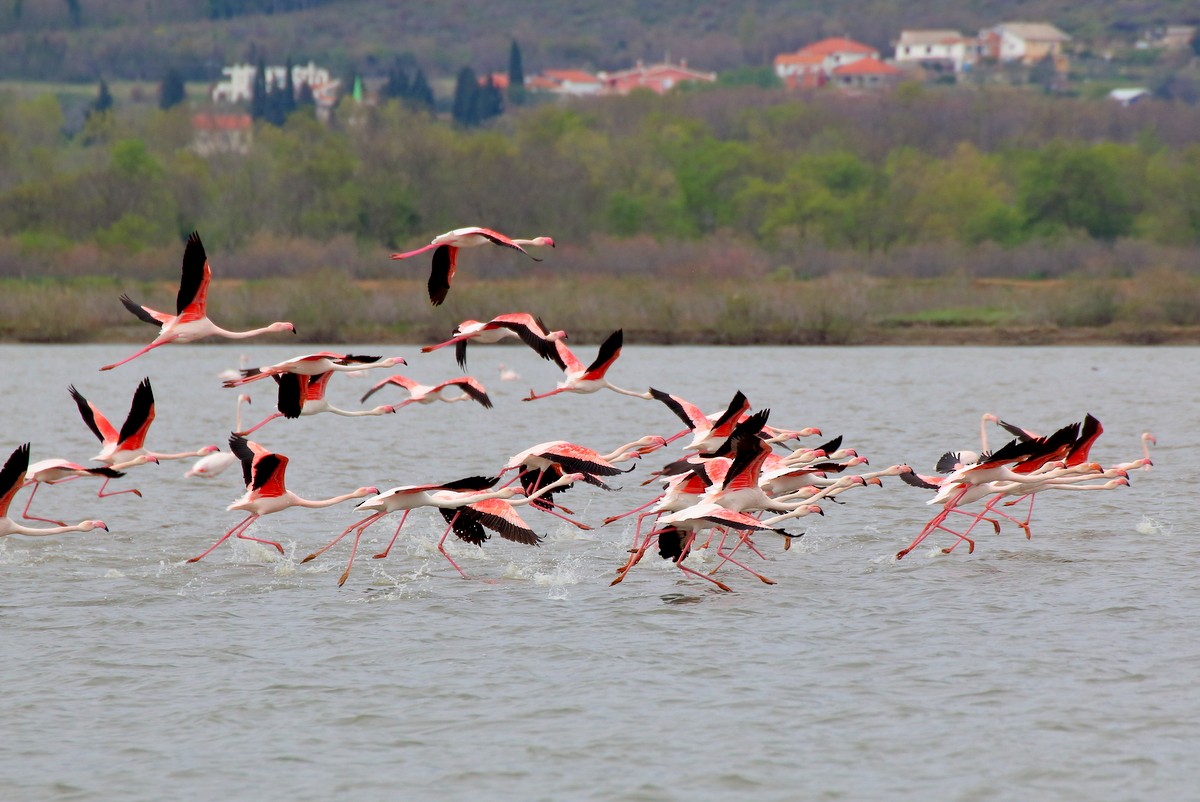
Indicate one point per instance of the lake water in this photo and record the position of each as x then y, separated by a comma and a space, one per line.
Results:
1060, 668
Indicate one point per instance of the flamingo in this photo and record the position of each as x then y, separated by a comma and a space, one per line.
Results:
445, 254
447, 496
530, 329
57, 471
507, 374
190, 321
590, 379
219, 461
265, 491
314, 365
305, 395
12, 479
126, 448
708, 432
427, 394
550, 460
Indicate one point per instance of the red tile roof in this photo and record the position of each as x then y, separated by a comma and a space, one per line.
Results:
838, 44
866, 66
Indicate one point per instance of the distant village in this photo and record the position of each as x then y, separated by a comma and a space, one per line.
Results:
945, 56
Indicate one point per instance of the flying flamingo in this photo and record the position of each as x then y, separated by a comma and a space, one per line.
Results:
447, 496
314, 365
124, 449
427, 394
219, 461
265, 491
445, 254
530, 329
12, 479
305, 395
190, 321
57, 471
708, 432
590, 379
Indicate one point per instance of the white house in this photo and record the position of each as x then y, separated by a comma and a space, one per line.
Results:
238, 85
938, 49
1027, 42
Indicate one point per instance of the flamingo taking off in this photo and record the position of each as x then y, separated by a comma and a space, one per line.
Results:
427, 394
266, 493
57, 471
12, 479
219, 461
589, 379
530, 329
445, 254
305, 395
190, 321
126, 448
313, 365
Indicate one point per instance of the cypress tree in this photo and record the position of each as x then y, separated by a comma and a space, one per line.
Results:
171, 92
466, 91
258, 93
289, 91
516, 75
104, 99
420, 95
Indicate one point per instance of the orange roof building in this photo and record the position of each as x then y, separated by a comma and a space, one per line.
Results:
814, 65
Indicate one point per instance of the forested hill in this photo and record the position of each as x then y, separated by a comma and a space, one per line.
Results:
83, 40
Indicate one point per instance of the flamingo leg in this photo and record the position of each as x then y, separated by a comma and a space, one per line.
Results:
260, 424
242, 525
101, 494
441, 546
728, 557
571, 521
612, 518
533, 397
25, 513
395, 535
353, 550
242, 534
346, 531
685, 550
634, 559
149, 347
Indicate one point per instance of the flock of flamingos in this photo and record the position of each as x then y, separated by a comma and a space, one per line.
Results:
739, 478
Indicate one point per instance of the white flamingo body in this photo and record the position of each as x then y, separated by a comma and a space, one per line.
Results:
12, 479
445, 254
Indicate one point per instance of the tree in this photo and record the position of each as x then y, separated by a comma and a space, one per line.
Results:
171, 92
288, 104
104, 99
1067, 186
465, 105
258, 93
516, 75
398, 86
489, 101
304, 97
76, 12
420, 96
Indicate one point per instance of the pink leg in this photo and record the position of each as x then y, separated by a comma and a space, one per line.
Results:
242, 534
442, 548
582, 526
260, 424
101, 494
25, 513
679, 564
149, 347
532, 397
248, 520
395, 535
612, 518
353, 550
364, 522
729, 558
634, 558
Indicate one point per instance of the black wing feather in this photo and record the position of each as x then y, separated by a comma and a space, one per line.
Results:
140, 411
85, 411
139, 312
192, 276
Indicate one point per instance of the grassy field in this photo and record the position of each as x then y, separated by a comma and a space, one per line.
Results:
328, 306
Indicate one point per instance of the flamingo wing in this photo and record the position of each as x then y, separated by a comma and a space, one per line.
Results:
738, 405
445, 262
496, 238
469, 483
145, 313
466, 525
196, 275
290, 401
687, 412
499, 516
396, 379
105, 432
241, 449
1088, 434
923, 482
610, 349
577, 459
471, 387
268, 476
141, 415
12, 476
531, 331
749, 452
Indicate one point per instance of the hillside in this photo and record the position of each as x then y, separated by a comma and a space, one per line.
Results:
83, 40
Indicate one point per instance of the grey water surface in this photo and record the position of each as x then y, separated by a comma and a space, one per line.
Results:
1064, 667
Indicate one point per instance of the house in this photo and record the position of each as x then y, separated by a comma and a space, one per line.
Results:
1024, 42
660, 78
814, 65
865, 73
1177, 37
938, 50
576, 83
222, 133
238, 85
1129, 96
